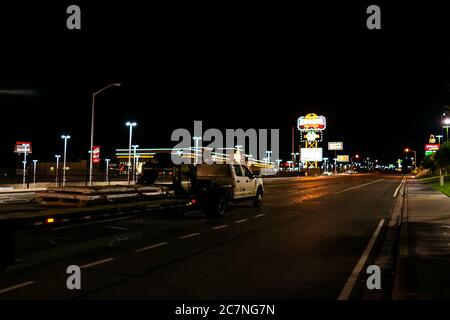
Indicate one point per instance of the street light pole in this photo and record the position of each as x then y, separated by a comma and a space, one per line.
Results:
446, 122
107, 170
92, 128
196, 139
34, 173
65, 137
134, 162
131, 125
57, 168
25, 145
278, 163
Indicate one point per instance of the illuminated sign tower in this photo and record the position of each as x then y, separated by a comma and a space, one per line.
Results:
311, 129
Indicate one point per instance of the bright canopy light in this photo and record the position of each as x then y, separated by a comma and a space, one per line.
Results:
133, 124
447, 121
65, 136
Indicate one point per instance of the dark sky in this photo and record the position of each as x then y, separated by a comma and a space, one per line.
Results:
230, 66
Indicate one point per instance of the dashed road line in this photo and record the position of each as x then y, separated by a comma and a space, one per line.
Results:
220, 227
151, 247
17, 286
240, 221
189, 235
259, 215
360, 186
96, 263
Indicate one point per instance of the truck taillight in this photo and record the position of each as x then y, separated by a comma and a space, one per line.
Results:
193, 201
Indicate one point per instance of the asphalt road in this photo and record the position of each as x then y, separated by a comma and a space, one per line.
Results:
302, 244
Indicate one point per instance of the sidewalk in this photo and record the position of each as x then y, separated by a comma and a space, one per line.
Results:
423, 270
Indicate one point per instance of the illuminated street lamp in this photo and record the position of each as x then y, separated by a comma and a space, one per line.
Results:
196, 139
34, 173
289, 165
131, 125
92, 128
65, 137
57, 168
278, 163
25, 148
415, 159
107, 170
446, 123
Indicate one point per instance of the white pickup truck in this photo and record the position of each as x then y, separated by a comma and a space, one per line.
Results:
218, 184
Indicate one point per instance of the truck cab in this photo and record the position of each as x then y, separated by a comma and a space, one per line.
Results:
224, 183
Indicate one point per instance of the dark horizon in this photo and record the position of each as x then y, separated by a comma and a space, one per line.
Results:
376, 101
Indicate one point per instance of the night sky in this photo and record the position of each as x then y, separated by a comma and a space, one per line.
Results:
232, 67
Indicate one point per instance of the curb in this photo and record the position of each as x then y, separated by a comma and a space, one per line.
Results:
400, 290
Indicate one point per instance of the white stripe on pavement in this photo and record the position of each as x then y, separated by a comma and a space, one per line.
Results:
151, 247
260, 215
17, 286
348, 287
96, 263
189, 235
361, 185
220, 227
240, 221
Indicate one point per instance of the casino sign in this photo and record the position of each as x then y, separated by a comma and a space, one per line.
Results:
311, 122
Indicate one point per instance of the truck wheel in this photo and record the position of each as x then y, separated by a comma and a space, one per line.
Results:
7, 248
218, 206
257, 203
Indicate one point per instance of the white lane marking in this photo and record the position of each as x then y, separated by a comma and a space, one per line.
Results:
190, 235
118, 228
348, 287
240, 221
260, 215
220, 227
361, 185
398, 188
151, 247
88, 223
96, 263
17, 286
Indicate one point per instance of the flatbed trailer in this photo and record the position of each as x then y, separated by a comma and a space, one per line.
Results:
41, 216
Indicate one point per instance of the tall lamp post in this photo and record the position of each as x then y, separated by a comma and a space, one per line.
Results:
135, 146
351, 159
131, 125
57, 168
25, 148
446, 125
65, 137
34, 173
196, 139
278, 163
92, 127
107, 170
415, 159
